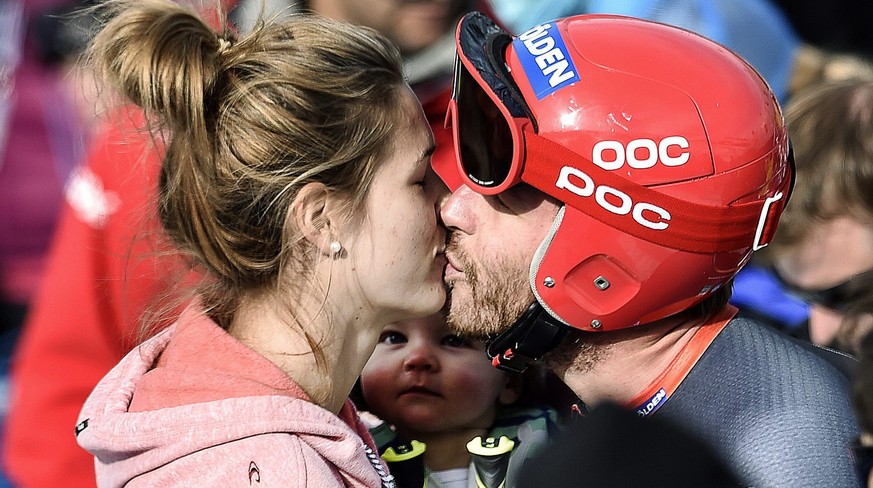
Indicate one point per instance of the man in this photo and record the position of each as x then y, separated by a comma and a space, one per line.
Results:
617, 174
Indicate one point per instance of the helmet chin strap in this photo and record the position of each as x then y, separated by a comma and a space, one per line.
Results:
527, 340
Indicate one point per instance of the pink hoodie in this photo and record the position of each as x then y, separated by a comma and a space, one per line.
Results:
195, 407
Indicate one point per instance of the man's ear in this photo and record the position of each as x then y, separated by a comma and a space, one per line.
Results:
310, 213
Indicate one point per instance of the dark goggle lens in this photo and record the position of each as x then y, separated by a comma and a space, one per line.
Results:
484, 136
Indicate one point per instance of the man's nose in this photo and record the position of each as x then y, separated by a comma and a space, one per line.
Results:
456, 210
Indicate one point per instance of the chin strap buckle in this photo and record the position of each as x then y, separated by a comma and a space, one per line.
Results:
534, 334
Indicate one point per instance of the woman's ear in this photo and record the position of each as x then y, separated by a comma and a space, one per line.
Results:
512, 389
309, 212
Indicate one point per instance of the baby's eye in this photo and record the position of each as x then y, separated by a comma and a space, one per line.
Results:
455, 341
392, 337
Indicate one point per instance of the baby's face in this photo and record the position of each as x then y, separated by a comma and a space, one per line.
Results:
422, 379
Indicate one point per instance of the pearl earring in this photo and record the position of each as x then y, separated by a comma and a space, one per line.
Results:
336, 248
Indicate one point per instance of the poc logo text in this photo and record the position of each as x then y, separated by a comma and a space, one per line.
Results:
612, 200
641, 153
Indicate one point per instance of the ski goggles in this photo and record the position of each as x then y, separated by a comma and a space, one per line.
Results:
491, 128
497, 146
495, 132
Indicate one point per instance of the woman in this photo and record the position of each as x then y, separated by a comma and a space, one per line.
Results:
296, 174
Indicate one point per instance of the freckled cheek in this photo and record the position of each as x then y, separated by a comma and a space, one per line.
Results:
413, 230
419, 229
427, 223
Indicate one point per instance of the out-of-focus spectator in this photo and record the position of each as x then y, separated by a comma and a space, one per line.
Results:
11, 17
43, 131
10, 53
106, 267
757, 292
422, 29
823, 248
46, 135
814, 65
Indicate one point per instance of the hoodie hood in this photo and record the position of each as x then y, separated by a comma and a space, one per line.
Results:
192, 389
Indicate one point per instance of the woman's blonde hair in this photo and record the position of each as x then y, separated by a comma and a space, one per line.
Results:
247, 122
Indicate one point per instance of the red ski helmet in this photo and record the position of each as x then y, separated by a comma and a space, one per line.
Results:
668, 151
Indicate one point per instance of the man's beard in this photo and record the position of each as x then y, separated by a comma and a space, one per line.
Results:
578, 353
495, 296
491, 297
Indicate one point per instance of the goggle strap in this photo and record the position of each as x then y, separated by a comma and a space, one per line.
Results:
690, 226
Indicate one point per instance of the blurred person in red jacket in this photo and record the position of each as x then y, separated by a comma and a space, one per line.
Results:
110, 264
44, 127
44, 130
